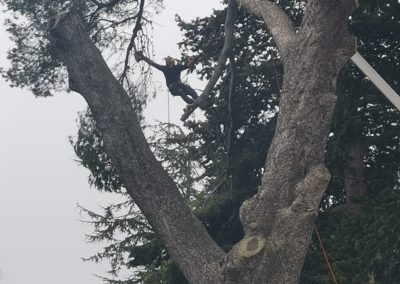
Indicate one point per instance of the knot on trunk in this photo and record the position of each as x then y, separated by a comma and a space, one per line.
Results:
247, 253
250, 246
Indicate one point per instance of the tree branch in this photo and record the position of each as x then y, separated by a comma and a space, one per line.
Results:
101, 5
227, 48
132, 41
186, 240
278, 22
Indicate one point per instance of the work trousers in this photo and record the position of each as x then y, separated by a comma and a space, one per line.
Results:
184, 91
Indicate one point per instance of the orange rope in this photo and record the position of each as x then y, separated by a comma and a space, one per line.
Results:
325, 256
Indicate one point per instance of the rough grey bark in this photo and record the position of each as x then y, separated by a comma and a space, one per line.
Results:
278, 23
278, 220
148, 184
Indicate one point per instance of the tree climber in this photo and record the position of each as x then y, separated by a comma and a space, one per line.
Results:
172, 73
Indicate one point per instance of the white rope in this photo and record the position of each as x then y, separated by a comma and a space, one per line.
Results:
376, 79
168, 108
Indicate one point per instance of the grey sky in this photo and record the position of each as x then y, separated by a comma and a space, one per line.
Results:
41, 238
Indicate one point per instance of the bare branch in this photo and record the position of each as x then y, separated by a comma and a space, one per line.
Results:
132, 41
278, 22
117, 23
101, 5
226, 50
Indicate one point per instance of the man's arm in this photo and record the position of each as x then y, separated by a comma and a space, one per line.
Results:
139, 56
187, 65
191, 64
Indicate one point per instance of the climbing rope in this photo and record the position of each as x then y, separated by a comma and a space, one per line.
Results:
325, 256
168, 110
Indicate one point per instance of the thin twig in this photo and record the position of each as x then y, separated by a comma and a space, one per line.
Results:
132, 41
105, 5
276, 75
230, 109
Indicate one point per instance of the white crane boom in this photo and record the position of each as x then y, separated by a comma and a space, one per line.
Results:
376, 79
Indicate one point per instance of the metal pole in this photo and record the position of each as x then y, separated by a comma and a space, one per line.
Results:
376, 79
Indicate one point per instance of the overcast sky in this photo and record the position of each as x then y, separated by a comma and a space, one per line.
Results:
41, 238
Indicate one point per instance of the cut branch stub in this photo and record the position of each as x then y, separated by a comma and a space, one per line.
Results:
251, 246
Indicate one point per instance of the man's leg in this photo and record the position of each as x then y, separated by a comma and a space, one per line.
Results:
189, 91
187, 99
184, 91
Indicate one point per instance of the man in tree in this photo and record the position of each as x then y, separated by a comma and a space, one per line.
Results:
278, 220
172, 73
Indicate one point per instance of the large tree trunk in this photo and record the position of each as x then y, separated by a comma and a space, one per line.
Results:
142, 175
278, 220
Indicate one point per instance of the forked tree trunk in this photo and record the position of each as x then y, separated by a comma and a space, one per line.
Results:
278, 220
